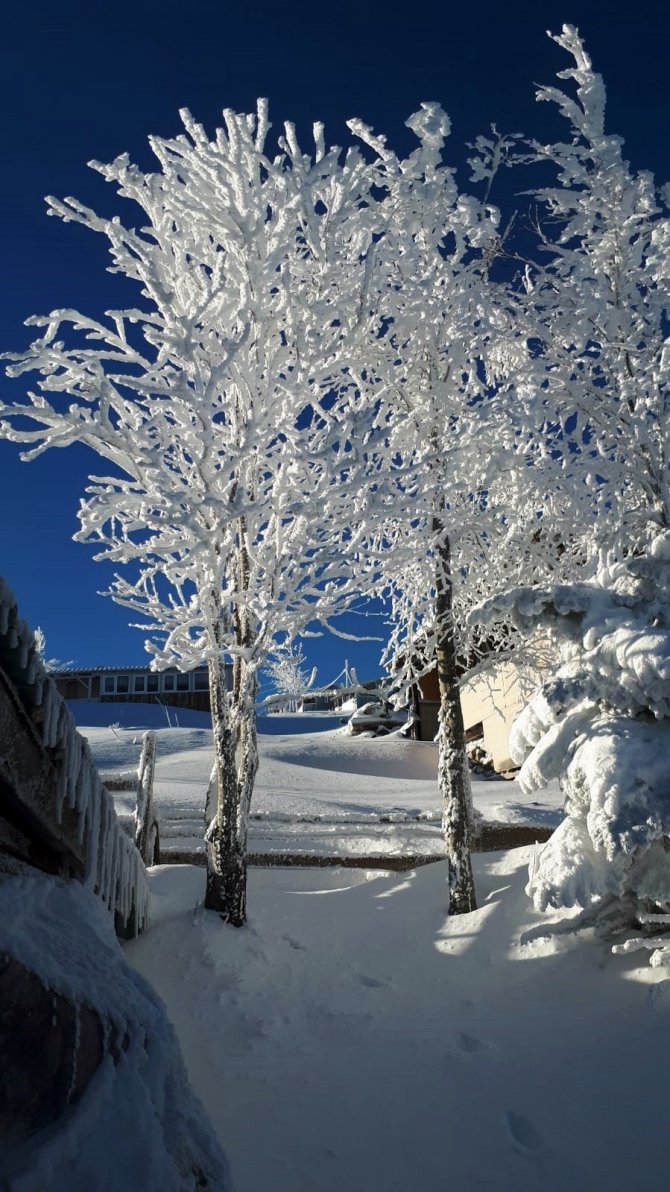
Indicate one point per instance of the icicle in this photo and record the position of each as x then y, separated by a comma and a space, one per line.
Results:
72, 769
23, 652
50, 721
93, 851
114, 868
84, 799
61, 792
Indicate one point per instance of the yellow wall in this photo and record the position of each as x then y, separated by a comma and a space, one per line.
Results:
496, 698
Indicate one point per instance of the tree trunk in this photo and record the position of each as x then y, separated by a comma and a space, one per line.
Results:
226, 836
453, 772
248, 767
226, 859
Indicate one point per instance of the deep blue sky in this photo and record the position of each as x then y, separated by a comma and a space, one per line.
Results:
84, 79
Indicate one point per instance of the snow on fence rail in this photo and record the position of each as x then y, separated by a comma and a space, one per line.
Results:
142, 824
112, 865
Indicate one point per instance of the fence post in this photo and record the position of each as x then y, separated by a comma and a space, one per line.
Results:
146, 823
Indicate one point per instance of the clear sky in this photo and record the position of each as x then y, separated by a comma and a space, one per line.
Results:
82, 79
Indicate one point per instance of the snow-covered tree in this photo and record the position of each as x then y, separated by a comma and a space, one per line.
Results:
225, 406
602, 723
445, 344
50, 664
601, 316
289, 676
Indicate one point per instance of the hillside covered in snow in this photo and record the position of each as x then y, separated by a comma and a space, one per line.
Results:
318, 791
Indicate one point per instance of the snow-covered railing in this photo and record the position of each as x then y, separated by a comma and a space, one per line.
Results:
66, 802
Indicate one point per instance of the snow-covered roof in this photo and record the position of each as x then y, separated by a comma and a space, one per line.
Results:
119, 669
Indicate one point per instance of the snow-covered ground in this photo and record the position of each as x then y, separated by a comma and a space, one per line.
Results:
320, 792
351, 1037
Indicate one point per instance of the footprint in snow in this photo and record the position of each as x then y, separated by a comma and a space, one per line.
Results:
523, 1131
470, 1043
370, 982
295, 944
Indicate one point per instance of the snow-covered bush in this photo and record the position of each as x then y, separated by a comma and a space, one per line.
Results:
601, 725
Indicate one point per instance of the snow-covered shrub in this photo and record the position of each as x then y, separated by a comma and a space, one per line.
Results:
290, 679
601, 725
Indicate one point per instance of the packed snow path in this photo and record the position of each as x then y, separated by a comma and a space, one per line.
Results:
352, 1038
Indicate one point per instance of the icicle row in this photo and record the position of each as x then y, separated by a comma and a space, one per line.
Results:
114, 867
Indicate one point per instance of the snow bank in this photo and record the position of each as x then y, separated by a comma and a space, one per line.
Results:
324, 793
300, 723
95, 714
138, 1124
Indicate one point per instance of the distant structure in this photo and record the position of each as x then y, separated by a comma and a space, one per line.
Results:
335, 697
137, 684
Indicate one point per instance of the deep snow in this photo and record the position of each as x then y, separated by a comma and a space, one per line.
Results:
320, 791
352, 1037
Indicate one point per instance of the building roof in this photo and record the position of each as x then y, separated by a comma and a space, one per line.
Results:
114, 670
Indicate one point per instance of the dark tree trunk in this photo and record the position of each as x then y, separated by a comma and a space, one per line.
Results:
248, 768
226, 861
453, 770
227, 835
226, 879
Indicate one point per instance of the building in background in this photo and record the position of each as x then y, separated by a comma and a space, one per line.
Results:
491, 700
336, 698
137, 684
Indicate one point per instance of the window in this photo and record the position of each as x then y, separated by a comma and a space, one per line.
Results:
122, 684
152, 682
139, 683
201, 681
168, 682
108, 685
183, 682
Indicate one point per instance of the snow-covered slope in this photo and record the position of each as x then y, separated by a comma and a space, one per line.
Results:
321, 792
138, 716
